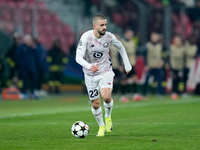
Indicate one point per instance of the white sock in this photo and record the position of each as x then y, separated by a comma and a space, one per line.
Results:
108, 108
98, 116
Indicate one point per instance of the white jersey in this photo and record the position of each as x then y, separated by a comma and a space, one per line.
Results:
95, 51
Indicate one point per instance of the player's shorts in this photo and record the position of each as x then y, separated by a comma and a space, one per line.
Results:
94, 84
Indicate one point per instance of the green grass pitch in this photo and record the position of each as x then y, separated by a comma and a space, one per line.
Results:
146, 125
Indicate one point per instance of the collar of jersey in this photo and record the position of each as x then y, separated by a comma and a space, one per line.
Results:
96, 37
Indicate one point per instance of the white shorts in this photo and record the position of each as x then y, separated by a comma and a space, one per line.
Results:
94, 84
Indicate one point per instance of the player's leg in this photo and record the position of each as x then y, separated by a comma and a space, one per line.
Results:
93, 92
24, 76
174, 84
108, 105
136, 95
33, 78
97, 112
106, 85
185, 78
145, 86
123, 87
132, 81
159, 76
108, 101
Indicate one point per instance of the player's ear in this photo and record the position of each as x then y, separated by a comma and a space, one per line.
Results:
94, 26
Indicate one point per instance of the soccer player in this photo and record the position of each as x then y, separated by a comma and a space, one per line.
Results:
93, 54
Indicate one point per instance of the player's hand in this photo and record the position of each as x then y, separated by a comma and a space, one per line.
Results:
94, 68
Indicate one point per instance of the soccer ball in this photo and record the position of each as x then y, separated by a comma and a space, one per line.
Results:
80, 129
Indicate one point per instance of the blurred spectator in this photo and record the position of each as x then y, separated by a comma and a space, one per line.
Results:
57, 61
190, 55
153, 63
131, 78
10, 58
41, 66
26, 57
176, 60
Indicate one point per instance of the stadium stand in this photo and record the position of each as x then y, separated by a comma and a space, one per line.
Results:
48, 25
74, 13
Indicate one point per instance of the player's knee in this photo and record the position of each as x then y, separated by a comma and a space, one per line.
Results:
106, 98
95, 104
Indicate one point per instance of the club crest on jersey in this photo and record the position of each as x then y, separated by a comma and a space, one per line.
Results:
80, 43
106, 44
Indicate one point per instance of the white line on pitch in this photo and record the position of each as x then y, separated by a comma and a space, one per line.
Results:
134, 105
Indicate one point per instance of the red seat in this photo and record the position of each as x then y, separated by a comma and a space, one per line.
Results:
7, 16
9, 28
28, 29
11, 4
48, 29
117, 18
67, 29
31, 3
27, 17
71, 39
40, 29
41, 5
58, 29
55, 19
46, 18
2, 3
20, 4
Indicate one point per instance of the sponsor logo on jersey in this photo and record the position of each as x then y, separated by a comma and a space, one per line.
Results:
98, 55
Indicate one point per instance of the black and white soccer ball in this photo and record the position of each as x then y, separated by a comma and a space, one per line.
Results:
80, 129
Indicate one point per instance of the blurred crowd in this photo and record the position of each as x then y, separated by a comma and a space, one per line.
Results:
28, 62
160, 64
185, 15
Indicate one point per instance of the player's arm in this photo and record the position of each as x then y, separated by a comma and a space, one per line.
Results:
80, 53
122, 51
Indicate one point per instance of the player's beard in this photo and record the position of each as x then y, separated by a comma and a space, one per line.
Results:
101, 32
